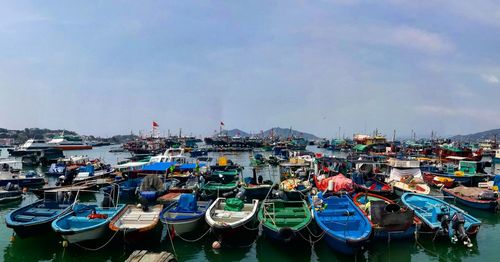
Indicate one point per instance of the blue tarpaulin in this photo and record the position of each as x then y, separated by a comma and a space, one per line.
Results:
190, 166
160, 166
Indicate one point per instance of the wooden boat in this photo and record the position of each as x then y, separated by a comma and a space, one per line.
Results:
214, 189
295, 189
185, 215
138, 226
285, 221
10, 193
435, 180
474, 197
400, 188
232, 221
347, 229
388, 219
35, 218
443, 218
85, 222
371, 185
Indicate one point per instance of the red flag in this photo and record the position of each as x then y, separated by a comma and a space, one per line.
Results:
155, 124
221, 123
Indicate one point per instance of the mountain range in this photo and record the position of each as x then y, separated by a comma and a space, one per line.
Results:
276, 131
489, 134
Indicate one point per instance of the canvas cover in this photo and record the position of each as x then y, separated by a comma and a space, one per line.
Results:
340, 183
234, 204
398, 173
187, 203
151, 183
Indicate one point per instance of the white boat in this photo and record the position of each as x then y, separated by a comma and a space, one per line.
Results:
34, 144
233, 227
176, 155
69, 143
138, 226
406, 177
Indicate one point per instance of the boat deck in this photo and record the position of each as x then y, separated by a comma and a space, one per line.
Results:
136, 218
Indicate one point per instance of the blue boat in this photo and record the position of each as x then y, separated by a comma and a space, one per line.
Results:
370, 185
35, 218
85, 222
444, 219
474, 197
30, 178
127, 188
185, 215
346, 229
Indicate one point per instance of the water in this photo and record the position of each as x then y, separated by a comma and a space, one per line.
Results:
48, 247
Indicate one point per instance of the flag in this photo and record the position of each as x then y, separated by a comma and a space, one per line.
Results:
155, 124
221, 123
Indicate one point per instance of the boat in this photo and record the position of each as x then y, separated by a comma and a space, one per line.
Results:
28, 179
28, 146
370, 185
256, 190
189, 186
285, 221
10, 193
438, 181
185, 215
10, 165
65, 142
127, 188
474, 197
232, 221
295, 189
85, 222
389, 220
151, 188
347, 229
406, 176
138, 225
443, 219
257, 160
213, 189
339, 184
35, 218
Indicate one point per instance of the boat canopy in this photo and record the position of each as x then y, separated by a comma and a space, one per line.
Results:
158, 166
190, 166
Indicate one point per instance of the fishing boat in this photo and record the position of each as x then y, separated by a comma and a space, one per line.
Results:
401, 187
285, 221
257, 160
474, 197
138, 225
442, 218
406, 177
127, 188
35, 218
71, 191
257, 191
232, 221
295, 188
389, 220
28, 179
212, 189
65, 142
370, 185
85, 222
435, 180
347, 229
185, 215
336, 184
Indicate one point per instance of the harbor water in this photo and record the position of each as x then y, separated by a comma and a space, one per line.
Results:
48, 247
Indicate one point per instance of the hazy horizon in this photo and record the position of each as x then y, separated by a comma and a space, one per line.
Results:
105, 68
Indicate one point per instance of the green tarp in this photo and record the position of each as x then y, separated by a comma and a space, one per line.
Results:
234, 204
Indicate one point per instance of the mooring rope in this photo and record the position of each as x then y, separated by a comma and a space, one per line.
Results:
96, 249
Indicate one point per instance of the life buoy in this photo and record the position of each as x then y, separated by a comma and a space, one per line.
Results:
97, 216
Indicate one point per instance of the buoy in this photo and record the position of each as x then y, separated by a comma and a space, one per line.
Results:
12, 238
65, 243
216, 245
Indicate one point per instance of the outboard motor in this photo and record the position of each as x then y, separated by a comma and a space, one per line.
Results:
459, 234
444, 218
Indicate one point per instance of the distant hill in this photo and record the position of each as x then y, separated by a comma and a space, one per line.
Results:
490, 134
20, 136
277, 132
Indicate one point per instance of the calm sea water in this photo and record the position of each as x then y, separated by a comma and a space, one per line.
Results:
48, 247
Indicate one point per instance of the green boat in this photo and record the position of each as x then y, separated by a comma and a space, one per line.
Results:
285, 221
215, 189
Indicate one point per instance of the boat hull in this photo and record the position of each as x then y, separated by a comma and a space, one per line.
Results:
185, 227
243, 235
134, 238
292, 236
86, 235
73, 147
477, 204
23, 182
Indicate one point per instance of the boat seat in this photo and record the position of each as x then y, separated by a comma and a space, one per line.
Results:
44, 212
24, 218
229, 214
288, 221
340, 212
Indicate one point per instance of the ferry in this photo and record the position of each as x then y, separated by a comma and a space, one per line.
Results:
65, 142
28, 147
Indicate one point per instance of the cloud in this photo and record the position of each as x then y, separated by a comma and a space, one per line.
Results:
490, 79
418, 39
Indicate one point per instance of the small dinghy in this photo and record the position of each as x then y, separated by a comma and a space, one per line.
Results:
389, 220
370, 185
213, 189
232, 221
295, 188
407, 180
442, 218
85, 222
185, 215
138, 225
35, 218
285, 221
400, 188
474, 197
347, 229
435, 180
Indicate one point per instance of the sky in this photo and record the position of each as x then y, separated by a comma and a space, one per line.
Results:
112, 67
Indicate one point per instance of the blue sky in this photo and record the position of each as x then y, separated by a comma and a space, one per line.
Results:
109, 67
